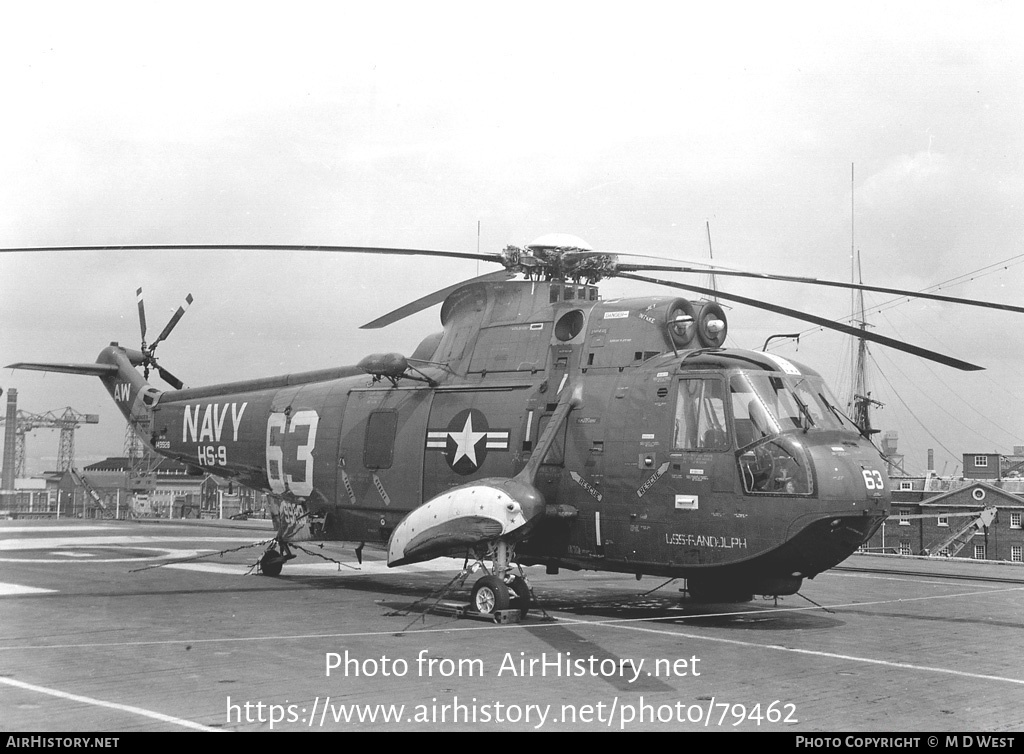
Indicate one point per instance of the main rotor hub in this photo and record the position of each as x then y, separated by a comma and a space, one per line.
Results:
559, 256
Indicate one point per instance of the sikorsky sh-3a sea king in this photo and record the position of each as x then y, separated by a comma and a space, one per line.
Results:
544, 425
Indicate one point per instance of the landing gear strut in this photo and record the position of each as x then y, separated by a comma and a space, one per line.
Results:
501, 590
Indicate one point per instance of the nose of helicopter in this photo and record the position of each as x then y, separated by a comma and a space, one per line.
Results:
850, 473
853, 501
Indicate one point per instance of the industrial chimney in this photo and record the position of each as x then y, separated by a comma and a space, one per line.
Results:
10, 443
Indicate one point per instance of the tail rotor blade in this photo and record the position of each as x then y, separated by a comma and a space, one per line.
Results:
169, 378
174, 319
142, 314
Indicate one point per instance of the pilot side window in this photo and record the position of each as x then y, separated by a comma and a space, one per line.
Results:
700, 415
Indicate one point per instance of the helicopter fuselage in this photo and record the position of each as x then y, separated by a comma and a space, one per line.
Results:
679, 458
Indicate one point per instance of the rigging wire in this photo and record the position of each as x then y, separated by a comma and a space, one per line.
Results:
939, 405
909, 409
1015, 438
989, 269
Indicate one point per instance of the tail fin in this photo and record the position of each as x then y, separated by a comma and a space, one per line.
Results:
115, 366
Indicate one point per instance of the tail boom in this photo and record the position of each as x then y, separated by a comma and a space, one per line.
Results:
115, 366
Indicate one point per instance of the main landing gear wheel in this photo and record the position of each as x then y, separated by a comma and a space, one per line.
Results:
489, 595
522, 595
271, 563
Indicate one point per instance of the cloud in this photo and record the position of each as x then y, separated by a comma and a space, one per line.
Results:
908, 179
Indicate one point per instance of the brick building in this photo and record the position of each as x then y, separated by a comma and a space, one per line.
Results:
920, 521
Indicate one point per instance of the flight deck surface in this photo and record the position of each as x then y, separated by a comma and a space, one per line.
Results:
89, 643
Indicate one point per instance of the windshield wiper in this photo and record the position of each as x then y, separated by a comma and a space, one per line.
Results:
803, 408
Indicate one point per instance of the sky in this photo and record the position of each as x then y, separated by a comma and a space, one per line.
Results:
795, 132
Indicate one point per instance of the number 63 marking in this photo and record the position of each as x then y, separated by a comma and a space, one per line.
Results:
873, 480
290, 452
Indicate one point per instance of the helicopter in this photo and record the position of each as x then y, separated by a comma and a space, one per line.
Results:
542, 425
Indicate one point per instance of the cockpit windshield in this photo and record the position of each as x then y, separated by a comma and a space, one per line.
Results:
766, 405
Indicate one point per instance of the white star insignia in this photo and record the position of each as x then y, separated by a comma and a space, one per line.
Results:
466, 441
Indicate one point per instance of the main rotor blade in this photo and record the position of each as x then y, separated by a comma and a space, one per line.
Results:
826, 323
817, 281
142, 314
174, 320
262, 247
433, 298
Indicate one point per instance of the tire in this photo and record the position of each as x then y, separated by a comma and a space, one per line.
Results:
521, 598
489, 595
271, 563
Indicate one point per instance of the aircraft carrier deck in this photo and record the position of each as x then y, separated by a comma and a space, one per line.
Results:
89, 644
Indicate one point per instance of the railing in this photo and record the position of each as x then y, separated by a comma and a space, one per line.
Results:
935, 484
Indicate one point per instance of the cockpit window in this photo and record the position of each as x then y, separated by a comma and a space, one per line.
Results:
700, 422
831, 406
766, 405
776, 466
770, 413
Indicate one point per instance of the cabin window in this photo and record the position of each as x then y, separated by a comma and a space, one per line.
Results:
700, 422
379, 448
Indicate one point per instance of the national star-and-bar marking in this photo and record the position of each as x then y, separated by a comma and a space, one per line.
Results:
466, 441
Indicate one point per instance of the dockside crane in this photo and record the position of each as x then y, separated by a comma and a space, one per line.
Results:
67, 420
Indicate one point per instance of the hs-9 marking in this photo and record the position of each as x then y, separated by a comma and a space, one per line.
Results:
212, 455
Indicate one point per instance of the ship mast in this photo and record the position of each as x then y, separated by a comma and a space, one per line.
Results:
860, 397
860, 402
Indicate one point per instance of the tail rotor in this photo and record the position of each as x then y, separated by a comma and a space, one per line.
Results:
149, 352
